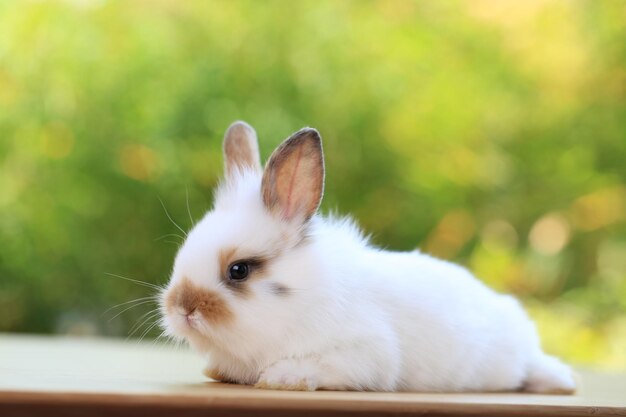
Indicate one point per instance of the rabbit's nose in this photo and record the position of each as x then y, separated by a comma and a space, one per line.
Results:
188, 300
185, 299
190, 317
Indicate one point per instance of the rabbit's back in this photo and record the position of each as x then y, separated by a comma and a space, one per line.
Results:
454, 332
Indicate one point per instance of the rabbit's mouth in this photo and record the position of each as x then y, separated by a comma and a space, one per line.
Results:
183, 324
192, 320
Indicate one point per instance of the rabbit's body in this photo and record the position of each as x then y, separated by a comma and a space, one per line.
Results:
321, 308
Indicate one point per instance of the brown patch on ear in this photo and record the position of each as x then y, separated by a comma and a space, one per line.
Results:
241, 149
189, 297
293, 181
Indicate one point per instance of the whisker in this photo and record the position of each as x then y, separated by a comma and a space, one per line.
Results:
127, 302
128, 308
179, 343
137, 325
136, 281
144, 334
170, 235
172, 220
159, 338
167, 341
188, 210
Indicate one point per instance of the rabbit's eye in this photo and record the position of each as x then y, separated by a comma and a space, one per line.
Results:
239, 271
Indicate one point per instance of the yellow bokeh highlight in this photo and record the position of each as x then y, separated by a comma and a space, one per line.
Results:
600, 208
139, 162
454, 230
565, 331
550, 234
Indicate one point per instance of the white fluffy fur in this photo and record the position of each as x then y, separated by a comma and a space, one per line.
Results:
355, 317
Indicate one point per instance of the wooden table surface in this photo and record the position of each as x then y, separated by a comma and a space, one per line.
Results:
63, 376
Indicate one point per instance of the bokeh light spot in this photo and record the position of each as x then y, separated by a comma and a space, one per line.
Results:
550, 234
454, 230
600, 208
139, 162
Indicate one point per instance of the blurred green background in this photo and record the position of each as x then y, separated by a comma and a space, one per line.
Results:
491, 133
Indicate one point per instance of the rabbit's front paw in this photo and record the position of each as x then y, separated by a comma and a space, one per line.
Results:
216, 375
289, 375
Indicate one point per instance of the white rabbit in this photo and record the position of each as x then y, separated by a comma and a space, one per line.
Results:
278, 296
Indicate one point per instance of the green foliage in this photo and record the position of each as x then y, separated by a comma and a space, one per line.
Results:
486, 132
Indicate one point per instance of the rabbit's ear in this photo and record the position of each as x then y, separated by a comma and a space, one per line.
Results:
241, 149
293, 181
